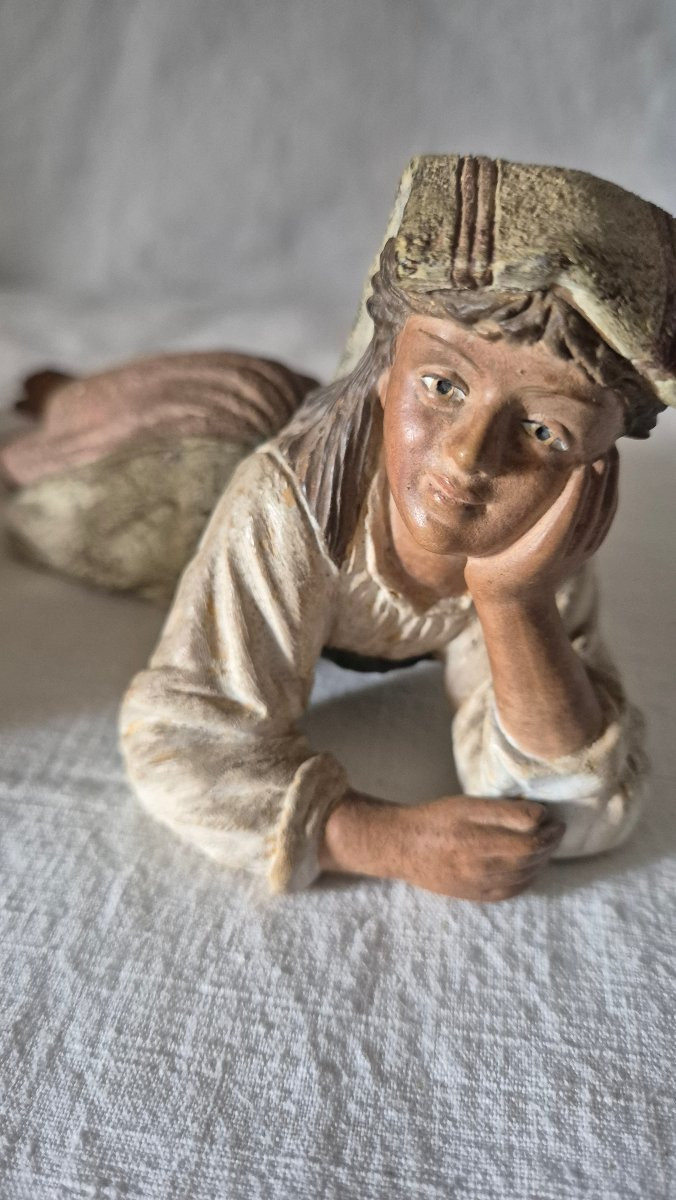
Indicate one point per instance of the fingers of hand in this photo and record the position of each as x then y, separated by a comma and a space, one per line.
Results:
607, 502
502, 849
485, 847
512, 871
515, 814
510, 812
513, 835
598, 510
586, 525
557, 524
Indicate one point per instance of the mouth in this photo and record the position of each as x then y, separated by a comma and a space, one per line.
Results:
447, 490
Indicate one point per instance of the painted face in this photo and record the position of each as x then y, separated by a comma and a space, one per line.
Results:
480, 436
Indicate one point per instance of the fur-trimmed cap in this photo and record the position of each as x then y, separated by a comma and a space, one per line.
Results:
475, 222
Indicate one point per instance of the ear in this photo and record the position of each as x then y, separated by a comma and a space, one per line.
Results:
381, 386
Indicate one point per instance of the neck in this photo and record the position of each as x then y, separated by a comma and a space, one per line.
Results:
437, 575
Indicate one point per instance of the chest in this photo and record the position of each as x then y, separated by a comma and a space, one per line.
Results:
372, 618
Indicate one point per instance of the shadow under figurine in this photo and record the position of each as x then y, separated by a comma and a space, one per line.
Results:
443, 497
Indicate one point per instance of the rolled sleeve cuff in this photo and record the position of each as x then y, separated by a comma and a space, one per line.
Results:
597, 790
318, 786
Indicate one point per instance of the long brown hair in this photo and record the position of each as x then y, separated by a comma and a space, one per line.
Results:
333, 440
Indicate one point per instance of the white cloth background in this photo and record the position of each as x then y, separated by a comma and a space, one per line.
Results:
207, 174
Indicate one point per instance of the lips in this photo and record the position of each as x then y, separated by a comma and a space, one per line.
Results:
450, 490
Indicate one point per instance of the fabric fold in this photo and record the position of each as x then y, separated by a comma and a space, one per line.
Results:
598, 790
208, 730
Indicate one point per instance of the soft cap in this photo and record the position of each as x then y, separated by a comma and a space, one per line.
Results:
467, 222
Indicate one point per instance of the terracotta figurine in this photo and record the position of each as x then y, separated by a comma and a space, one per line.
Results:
442, 498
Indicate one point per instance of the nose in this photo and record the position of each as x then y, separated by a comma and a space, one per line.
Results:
475, 443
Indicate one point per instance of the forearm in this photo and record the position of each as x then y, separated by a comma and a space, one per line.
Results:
544, 697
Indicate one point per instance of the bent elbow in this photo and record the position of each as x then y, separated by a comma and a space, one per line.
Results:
175, 785
596, 824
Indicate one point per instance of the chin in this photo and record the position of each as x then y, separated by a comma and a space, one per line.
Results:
438, 539
466, 543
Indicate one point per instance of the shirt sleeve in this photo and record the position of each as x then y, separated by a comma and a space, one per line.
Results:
600, 789
207, 731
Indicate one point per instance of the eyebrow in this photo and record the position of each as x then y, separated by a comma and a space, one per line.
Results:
557, 394
449, 346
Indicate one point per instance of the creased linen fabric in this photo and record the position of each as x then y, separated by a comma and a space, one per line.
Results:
162, 1036
208, 731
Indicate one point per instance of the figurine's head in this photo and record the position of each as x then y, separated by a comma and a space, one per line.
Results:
489, 402
561, 290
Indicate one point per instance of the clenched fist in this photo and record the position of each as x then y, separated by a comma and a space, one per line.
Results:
469, 847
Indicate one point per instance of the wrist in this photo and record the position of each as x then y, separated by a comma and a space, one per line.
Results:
536, 602
358, 837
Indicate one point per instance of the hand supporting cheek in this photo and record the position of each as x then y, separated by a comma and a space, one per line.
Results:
564, 537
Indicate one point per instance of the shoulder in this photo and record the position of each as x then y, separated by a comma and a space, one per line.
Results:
263, 510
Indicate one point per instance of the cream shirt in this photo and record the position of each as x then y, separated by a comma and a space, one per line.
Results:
208, 730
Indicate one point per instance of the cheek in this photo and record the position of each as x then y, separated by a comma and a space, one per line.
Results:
407, 442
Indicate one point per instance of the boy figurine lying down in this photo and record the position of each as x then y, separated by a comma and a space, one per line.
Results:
442, 498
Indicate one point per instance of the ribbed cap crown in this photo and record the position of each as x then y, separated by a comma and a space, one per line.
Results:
467, 222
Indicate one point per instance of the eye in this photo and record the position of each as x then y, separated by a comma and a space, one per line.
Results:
542, 433
440, 385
